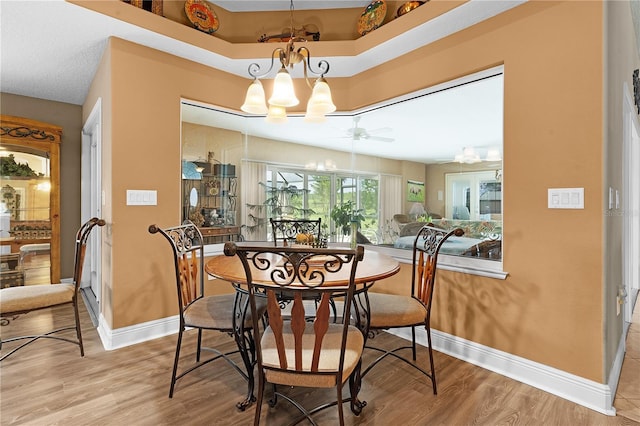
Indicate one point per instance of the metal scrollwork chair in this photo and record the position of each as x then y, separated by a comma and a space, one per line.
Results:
293, 351
396, 311
218, 312
15, 301
286, 230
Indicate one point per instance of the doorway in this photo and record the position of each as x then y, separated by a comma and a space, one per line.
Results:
91, 206
631, 205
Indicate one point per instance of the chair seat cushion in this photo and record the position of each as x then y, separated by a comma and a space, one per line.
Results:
329, 355
391, 310
32, 297
216, 312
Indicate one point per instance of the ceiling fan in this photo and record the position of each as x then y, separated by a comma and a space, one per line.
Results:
357, 133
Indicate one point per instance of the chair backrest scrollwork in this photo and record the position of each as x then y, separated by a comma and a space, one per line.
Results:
286, 230
298, 274
188, 252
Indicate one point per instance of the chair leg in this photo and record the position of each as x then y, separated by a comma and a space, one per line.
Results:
433, 370
355, 383
413, 343
334, 310
256, 418
339, 399
175, 363
247, 351
78, 329
199, 345
274, 399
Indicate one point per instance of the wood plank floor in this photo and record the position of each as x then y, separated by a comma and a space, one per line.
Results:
51, 384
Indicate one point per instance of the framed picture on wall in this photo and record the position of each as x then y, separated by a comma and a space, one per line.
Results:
415, 191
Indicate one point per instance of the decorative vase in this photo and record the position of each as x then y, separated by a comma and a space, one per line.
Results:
354, 234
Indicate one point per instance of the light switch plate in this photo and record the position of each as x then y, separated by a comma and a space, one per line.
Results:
565, 198
610, 198
139, 197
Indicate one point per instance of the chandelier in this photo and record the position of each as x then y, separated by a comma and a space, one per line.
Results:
283, 96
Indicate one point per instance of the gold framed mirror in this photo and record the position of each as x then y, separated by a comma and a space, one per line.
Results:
30, 200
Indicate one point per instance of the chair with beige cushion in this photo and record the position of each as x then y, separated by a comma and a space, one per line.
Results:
389, 311
286, 230
15, 301
305, 349
201, 312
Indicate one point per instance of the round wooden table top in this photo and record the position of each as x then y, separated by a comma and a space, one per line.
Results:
373, 267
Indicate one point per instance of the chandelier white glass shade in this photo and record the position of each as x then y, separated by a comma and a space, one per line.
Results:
254, 101
276, 114
284, 96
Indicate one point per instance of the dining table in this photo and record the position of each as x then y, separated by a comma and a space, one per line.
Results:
374, 266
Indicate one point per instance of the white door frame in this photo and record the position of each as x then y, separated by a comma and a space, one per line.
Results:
91, 206
631, 203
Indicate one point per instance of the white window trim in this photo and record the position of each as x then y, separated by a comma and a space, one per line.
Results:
466, 265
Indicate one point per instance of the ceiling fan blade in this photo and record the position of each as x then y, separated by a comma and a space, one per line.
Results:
380, 130
380, 138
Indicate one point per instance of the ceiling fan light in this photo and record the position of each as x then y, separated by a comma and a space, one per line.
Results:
493, 154
254, 102
468, 152
320, 101
276, 114
467, 156
283, 94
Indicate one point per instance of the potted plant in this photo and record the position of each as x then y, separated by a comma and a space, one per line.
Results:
344, 215
9, 167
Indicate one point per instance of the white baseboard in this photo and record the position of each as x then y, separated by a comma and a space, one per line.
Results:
596, 396
126, 336
616, 368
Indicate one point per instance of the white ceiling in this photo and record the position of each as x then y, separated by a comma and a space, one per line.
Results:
51, 50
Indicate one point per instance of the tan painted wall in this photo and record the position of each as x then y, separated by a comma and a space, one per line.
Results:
197, 140
549, 309
68, 117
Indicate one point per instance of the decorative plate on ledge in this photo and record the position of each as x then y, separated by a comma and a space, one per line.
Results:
202, 16
372, 17
408, 7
